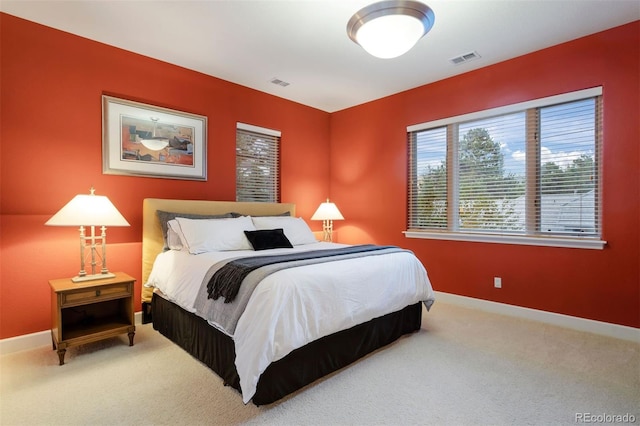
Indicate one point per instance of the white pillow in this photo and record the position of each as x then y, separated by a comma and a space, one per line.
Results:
175, 238
205, 235
295, 228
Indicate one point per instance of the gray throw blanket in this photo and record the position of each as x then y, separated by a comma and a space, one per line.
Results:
227, 280
251, 270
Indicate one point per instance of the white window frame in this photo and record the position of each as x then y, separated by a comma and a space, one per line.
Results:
496, 237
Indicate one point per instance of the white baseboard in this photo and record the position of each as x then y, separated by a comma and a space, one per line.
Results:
574, 323
36, 340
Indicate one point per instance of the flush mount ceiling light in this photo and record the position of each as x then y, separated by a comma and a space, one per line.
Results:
388, 29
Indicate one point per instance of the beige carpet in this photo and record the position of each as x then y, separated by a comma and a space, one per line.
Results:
464, 367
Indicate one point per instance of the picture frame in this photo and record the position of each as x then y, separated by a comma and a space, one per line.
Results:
150, 141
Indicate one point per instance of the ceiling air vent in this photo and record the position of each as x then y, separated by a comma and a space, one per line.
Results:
464, 58
279, 82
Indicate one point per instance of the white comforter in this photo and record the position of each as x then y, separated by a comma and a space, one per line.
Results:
295, 306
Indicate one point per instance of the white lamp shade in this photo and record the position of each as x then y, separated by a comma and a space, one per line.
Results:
327, 211
88, 210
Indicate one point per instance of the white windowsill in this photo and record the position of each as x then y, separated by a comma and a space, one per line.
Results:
582, 243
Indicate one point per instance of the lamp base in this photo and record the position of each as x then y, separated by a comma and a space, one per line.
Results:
327, 230
92, 277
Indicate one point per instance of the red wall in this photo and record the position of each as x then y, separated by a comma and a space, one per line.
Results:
369, 179
51, 150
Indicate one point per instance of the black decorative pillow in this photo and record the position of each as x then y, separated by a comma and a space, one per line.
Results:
265, 239
165, 217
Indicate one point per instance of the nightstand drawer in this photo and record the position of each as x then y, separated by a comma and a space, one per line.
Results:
96, 294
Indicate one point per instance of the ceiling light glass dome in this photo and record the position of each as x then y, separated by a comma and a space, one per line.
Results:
388, 29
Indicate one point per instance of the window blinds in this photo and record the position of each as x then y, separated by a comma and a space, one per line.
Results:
568, 171
428, 178
491, 170
257, 164
531, 171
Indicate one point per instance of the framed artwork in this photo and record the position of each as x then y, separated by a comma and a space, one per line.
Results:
146, 140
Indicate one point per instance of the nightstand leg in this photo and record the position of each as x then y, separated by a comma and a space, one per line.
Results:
61, 353
131, 334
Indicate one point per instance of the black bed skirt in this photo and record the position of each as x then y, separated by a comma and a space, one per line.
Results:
301, 367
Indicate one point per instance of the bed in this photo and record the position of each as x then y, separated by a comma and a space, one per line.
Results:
285, 338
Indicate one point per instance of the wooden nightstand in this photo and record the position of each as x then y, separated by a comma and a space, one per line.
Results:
89, 311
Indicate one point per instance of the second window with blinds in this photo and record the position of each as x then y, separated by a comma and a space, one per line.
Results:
526, 173
257, 164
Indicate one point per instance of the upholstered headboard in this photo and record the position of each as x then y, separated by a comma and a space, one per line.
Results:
152, 239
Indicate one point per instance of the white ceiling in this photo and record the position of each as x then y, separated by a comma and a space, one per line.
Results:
304, 42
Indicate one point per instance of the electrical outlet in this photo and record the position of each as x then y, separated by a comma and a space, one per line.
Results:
497, 282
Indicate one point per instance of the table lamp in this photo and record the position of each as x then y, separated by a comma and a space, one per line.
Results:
327, 213
90, 210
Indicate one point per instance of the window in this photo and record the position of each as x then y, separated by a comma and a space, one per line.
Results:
257, 168
525, 174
